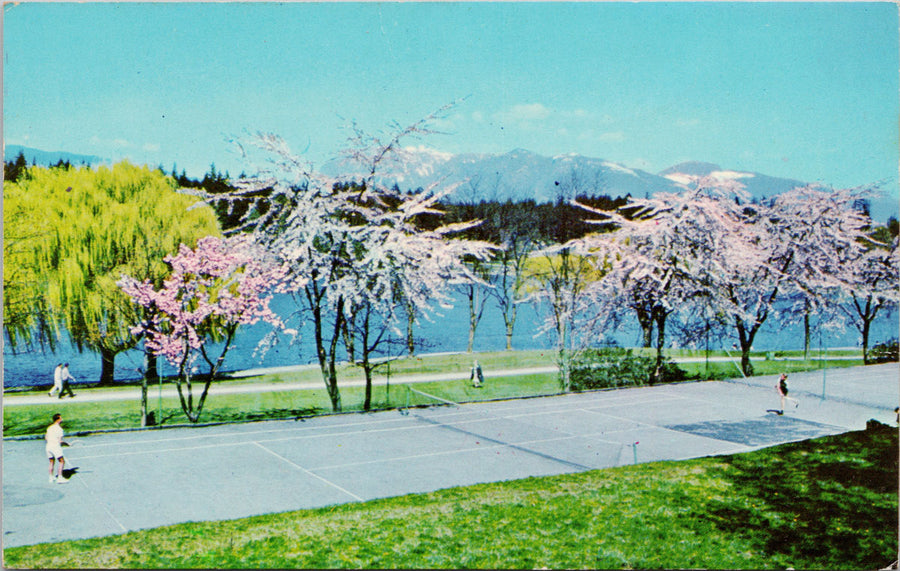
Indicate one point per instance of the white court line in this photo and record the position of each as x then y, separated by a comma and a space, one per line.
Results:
238, 434
162, 450
301, 468
224, 445
105, 508
638, 422
593, 408
521, 410
240, 443
480, 448
550, 407
413, 457
303, 427
595, 436
326, 431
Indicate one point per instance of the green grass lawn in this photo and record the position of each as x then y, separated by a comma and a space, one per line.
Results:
84, 416
829, 503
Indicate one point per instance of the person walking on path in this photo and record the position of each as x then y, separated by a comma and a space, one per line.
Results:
54, 438
476, 376
57, 381
66, 377
782, 388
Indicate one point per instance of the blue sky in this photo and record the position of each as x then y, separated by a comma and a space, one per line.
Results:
806, 91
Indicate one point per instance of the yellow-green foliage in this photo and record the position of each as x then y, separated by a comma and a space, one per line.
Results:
72, 234
540, 271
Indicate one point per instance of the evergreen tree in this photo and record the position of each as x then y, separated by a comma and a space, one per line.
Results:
16, 169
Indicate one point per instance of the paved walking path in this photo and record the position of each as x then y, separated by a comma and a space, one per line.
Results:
236, 387
128, 481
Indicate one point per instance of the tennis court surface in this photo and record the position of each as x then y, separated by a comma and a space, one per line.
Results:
128, 481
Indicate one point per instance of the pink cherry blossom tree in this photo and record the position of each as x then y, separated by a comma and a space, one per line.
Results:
212, 290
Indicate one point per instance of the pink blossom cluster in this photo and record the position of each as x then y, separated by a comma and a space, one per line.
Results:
219, 284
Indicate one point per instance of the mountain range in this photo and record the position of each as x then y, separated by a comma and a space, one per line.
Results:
45, 158
523, 175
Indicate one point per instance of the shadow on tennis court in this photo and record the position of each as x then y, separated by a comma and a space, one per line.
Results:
127, 481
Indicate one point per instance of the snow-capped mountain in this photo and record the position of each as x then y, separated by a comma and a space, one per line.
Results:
758, 185
519, 175
882, 206
523, 175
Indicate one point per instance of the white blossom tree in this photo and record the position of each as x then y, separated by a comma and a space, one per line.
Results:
800, 237
672, 251
873, 288
405, 265
349, 244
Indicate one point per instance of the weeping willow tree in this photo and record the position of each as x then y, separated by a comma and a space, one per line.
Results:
71, 233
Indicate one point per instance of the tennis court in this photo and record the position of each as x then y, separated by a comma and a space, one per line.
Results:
136, 480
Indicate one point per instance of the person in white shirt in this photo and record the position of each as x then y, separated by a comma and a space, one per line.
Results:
54, 438
57, 381
476, 376
66, 377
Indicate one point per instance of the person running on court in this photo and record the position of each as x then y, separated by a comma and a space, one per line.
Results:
57, 380
782, 388
66, 377
54, 438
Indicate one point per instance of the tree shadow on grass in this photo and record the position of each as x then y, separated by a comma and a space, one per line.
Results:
827, 503
230, 415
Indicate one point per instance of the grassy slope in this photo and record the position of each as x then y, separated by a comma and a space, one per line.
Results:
826, 503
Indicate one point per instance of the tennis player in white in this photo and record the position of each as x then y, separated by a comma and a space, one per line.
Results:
54, 438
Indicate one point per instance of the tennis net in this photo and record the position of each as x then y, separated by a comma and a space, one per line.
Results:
421, 399
473, 421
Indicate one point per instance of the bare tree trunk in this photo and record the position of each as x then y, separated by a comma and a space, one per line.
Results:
348, 338
473, 317
806, 335
410, 323
149, 375
367, 368
144, 399
107, 366
865, 340
510, 325
660, 318
746, 338
565, 375
645, 320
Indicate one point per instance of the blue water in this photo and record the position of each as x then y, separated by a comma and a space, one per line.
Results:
447, 332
